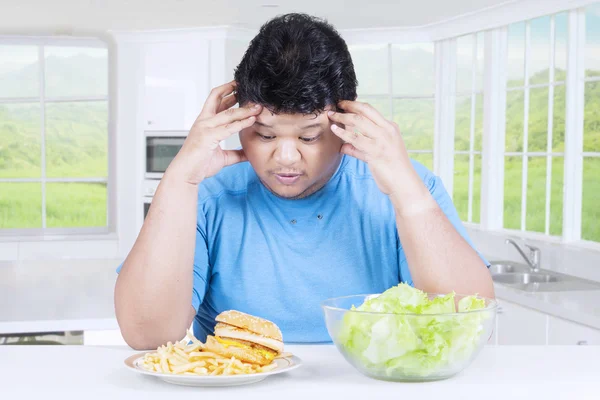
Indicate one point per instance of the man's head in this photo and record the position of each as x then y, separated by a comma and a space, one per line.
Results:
297, 67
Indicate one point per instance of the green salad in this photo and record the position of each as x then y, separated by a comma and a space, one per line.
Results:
408, 344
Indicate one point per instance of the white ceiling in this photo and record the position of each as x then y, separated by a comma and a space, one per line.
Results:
23, 16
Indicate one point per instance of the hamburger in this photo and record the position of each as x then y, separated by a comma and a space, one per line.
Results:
246, 337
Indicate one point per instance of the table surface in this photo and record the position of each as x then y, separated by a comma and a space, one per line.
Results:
548, 372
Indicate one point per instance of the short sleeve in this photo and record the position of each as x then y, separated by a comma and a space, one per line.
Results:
441, 196
201, 262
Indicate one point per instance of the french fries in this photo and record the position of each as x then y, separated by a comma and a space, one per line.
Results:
185, 358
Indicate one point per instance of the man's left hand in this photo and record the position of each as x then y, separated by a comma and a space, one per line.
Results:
374, 140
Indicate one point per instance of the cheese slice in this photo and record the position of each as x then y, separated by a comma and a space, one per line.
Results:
226, 343
269, 355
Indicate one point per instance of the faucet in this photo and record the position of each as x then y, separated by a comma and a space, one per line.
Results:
533, 260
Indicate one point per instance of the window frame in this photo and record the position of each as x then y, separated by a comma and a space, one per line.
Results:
493, 147
390, 96
472, 93
88, 42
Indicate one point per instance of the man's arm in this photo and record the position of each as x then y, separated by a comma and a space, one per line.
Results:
153, 293
439, 259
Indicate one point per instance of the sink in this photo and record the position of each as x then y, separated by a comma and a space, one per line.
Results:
524, 279
521, 277
504, 268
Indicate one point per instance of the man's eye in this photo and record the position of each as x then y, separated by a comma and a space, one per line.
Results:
310, 139
263, 137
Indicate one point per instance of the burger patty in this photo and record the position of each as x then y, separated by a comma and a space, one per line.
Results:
227, 341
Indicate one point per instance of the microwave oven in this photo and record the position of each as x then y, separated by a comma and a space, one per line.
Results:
160, 149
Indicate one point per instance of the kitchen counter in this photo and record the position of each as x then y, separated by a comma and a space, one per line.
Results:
64, 295
498, 373
582, 307
48, 296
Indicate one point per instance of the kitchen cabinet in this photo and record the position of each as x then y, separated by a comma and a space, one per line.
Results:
517, 325
561, 332
176, 83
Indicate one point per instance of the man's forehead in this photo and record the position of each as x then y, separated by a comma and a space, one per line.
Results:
268, 119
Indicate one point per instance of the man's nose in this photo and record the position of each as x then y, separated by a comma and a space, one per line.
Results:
287, 153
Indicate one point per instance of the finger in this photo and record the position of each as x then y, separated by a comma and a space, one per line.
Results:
212, 103
352, 151
224, 131
227, 102
358, 140
234, 157
233, 114
364, 109
364, 125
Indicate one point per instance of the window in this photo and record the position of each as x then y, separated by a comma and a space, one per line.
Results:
590, 210
53, 137
535, 125
399, 81
468, 126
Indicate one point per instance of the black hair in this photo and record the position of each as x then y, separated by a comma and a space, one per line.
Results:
297, 63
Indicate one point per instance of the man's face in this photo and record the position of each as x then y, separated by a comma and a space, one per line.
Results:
294, 155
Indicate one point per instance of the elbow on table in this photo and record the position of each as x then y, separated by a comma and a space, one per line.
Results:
141, 337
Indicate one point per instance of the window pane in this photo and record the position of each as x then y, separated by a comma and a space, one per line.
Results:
20, 141
558, 125
513, 176
415, 117
460, 194
591, 118
76, 71
464, 63
535, 220
560, 46
478, 122
516, 54
20, 205
371, 67
538, 119
424, 158
592, 40
556, 198
515, 106
77, 139
70, 205
480, 61
476, 189
462, 123
590, 215
413, 70
381, 104
19, 71
539, 57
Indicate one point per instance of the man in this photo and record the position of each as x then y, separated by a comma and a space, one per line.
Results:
321, 201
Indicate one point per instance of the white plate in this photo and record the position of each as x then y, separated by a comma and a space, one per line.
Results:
283, 365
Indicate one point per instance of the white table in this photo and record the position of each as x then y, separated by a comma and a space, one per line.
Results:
498, 373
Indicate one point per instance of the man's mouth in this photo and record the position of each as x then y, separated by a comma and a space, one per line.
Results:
287, 178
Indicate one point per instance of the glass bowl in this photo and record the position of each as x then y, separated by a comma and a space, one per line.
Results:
408, 347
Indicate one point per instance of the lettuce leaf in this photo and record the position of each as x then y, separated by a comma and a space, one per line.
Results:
409, 345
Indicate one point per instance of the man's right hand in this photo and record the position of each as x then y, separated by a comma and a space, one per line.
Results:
201, 155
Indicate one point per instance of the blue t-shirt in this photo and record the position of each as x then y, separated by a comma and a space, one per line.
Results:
279, 259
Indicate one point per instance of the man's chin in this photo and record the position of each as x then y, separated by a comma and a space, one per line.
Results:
288, 192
